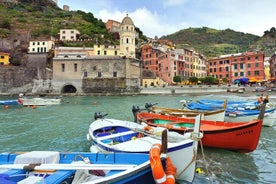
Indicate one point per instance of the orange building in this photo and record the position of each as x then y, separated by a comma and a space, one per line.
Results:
112, 26
235, 66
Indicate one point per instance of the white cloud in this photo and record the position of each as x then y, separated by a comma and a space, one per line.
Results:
148, 22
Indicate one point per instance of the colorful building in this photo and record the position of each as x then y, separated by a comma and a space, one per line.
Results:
40, 46
69, 34
4, 58
239, 65
104, 50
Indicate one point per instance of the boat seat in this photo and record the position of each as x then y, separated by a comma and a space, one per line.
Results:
115, 135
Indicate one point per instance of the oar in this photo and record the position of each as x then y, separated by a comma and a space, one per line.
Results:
68, 166
164, 142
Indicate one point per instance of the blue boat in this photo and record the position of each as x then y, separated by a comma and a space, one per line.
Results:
53, 167
237, 113
9, 102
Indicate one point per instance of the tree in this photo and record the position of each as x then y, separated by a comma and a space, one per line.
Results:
177, 78
193, 80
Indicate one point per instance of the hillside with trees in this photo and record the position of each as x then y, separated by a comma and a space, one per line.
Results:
212, 42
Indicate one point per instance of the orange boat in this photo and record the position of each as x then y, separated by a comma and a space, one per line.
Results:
239, 136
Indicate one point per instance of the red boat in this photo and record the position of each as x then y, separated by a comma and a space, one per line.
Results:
239, 136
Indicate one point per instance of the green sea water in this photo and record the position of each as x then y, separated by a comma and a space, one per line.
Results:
64, 127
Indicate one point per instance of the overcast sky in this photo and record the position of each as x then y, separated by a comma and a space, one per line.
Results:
163, 17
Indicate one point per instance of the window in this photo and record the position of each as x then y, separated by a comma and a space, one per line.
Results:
85, 74
257, 65
63, 67
235, 66
236, 74
33, 43
105, 52
241, 74
241, 66
75, 67
227, 68
99, 74
115, 52
99, 52
114, 74
248, 65
127, 40
249, 73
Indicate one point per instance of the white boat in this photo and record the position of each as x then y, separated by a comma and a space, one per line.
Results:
112, 135
215, 115
37, 101
40, 101
242, 116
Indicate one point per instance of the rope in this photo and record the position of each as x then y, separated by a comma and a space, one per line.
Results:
204, 161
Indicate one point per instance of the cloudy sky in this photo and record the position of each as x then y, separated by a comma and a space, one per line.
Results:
163, 17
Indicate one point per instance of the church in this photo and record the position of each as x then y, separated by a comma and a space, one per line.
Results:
101, 69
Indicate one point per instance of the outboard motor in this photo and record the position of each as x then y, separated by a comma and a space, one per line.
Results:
99, 115
149, 105
135, 110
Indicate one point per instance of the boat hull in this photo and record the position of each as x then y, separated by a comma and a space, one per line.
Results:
40, 101
139, 174
217, 115
134, 144
240, 136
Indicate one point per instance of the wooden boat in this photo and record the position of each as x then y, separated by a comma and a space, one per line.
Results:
79, 167
240, 136
112, 135
237, 112
247, 115
217, 115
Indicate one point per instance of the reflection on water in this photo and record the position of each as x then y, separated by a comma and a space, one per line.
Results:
64, 127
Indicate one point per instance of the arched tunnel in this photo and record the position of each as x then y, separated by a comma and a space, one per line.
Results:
69, 89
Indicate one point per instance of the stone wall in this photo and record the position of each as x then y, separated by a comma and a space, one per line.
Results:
14, 79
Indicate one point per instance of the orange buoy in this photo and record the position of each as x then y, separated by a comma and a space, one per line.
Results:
6, 107
160, 176
34, 107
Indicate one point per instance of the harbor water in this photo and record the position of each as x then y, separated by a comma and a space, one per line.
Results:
64, 127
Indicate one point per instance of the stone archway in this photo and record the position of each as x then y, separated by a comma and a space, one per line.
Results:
69, 89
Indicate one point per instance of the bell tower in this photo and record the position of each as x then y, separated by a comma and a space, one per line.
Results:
127, 38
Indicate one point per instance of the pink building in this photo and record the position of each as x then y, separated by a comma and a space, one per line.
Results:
235, 66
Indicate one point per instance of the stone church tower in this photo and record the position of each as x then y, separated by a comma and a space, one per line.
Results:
127, 38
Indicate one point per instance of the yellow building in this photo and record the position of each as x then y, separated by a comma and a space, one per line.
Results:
106, 50
4, 58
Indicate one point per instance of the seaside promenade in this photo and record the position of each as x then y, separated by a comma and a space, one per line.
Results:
191, 90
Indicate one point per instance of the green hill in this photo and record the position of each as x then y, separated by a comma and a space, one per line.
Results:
42, 18
212, 42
